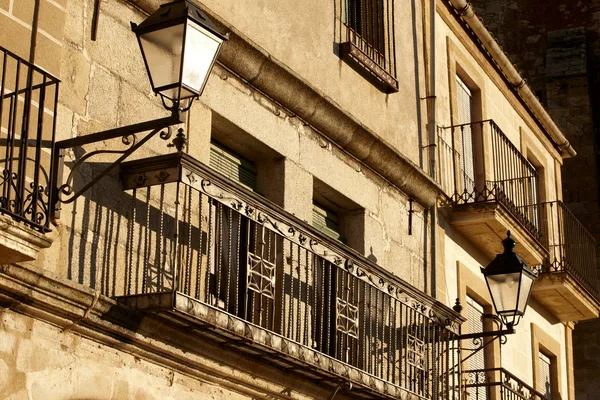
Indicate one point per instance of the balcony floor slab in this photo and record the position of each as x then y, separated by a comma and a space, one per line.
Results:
486, 224
564, 297
260, 343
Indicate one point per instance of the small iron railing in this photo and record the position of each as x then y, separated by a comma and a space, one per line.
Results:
369, 26
196, 233
478, 163
571, 248
28, 102
481, 384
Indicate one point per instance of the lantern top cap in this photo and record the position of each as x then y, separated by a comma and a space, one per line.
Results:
174, 13
507, 262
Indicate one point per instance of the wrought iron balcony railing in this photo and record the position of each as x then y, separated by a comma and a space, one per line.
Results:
571, 248
480, 385
28, 102
478, 163
195, 234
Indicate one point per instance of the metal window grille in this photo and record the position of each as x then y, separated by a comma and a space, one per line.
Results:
369, 28
477, 362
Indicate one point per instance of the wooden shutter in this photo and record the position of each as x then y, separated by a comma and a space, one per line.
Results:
233, 166
545, 376
327, 222
464, 106
477, 361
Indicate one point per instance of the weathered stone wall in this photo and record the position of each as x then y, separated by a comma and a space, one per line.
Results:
558, 51
40, 361
24, 30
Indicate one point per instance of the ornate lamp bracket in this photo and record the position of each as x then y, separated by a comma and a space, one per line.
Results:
63, 191
479, 342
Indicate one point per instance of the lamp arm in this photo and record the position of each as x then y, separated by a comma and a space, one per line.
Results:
510, 329
501, 334
475, 351
127, 133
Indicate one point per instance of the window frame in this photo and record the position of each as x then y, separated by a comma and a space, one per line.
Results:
542, 342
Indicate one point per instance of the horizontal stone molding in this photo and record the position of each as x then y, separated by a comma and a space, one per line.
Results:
19, 242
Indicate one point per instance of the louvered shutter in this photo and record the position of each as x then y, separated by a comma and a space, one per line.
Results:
233, 166
465, 116
477, 361
327, 222
545, 377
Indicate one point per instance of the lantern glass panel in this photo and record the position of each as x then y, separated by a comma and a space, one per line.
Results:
504, 289
526, 284
162, 50
201, 48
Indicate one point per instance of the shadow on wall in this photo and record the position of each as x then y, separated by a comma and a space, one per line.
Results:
128, 242
97, 240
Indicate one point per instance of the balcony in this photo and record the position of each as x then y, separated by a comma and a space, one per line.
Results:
490, 188
567, 283
369, 44
496, 384
28, 101
229, 266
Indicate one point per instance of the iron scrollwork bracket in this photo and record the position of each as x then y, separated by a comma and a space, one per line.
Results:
64, 192
480, 343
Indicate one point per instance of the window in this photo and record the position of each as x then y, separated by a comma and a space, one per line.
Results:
464, 107
475, 312
546, 363
327, 222
369, 40
545, 376
233, 166
365, 18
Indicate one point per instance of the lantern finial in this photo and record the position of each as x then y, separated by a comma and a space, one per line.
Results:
509, 244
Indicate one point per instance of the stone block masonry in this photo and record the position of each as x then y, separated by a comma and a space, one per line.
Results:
40, 361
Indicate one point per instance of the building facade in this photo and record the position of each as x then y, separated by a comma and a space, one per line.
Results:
347, 171
558, 54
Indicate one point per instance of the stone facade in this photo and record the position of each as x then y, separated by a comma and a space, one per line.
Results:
317, 130
558, 52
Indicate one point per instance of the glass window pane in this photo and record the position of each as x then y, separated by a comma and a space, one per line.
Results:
526, 284
504, 289
162, 50
200, 49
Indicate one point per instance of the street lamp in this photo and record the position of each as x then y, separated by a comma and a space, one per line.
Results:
179, 45
509, 281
